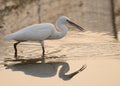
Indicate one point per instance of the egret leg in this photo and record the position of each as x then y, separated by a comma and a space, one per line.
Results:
15, 48
43, 52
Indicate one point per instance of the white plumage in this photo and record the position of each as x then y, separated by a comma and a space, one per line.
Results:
41, 32
34, 33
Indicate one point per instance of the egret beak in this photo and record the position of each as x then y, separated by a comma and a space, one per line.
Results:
77, 26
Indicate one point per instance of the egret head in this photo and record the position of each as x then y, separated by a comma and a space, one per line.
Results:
64, 19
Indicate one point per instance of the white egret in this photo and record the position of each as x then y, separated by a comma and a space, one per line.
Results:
41, 32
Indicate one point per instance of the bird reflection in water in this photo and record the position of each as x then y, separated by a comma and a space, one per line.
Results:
47, 70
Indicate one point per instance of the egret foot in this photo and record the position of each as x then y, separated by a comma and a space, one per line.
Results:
43, 60
18, 57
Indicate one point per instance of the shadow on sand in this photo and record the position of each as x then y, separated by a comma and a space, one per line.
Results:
47, 70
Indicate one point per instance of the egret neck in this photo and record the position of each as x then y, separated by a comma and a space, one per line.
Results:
62, 29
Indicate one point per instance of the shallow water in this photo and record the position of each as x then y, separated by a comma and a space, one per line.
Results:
74, 46
99, 52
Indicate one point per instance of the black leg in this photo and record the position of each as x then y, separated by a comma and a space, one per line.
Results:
43, 52
15, 48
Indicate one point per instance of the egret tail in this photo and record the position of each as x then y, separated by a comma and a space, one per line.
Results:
8, 37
